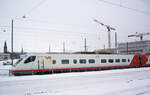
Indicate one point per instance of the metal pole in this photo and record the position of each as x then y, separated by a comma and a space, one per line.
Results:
127, 47
12, 53
116, 41
63, 47
49, 48
109, 42
85, 45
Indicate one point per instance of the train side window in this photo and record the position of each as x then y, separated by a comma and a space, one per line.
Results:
74, 61
128, 60
117, 60
110, 60
123, 60
103, 60
30, 59
65, 61
82, 61
54, 61
91, 61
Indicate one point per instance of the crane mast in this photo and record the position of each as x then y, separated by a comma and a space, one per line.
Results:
108, 30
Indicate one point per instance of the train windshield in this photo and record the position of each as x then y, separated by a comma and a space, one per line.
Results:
18, 61
30, 59
21, 58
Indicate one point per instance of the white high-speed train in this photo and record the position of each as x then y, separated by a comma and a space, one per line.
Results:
50, 63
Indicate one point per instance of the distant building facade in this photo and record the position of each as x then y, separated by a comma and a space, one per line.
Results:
137, 47
106, 51
8, 55
4, 56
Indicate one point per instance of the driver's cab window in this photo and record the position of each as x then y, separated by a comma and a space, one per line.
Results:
30, 59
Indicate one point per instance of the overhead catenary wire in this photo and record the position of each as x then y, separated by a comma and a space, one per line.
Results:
146, 2
46, 29
123, 6
46, 21
42, 31
49, 23
35, 7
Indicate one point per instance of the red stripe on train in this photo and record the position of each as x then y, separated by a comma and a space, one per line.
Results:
83, 68
63, 69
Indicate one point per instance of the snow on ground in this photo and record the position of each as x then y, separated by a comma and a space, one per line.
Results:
4, 69
134, 81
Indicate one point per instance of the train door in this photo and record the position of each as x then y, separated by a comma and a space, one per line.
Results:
40, 63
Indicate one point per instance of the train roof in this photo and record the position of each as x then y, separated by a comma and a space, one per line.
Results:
74, 53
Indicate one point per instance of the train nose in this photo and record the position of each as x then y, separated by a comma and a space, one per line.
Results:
11, 70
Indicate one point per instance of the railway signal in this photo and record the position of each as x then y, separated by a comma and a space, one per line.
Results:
109, 28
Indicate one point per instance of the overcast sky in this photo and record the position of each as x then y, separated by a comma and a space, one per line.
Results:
50, 22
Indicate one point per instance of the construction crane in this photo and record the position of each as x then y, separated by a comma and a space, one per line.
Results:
108, 30
139, 35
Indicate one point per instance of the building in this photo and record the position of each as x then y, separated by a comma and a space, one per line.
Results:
4, 56
5, 47
137, 47
8, 55
106, 51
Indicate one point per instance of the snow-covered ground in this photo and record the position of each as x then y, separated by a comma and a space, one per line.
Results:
4, 69
134, 81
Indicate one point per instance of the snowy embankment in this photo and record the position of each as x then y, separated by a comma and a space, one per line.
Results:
134, 81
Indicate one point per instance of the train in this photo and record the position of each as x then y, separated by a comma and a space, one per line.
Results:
57, 63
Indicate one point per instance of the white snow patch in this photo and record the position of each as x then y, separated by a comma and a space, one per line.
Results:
133, 81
